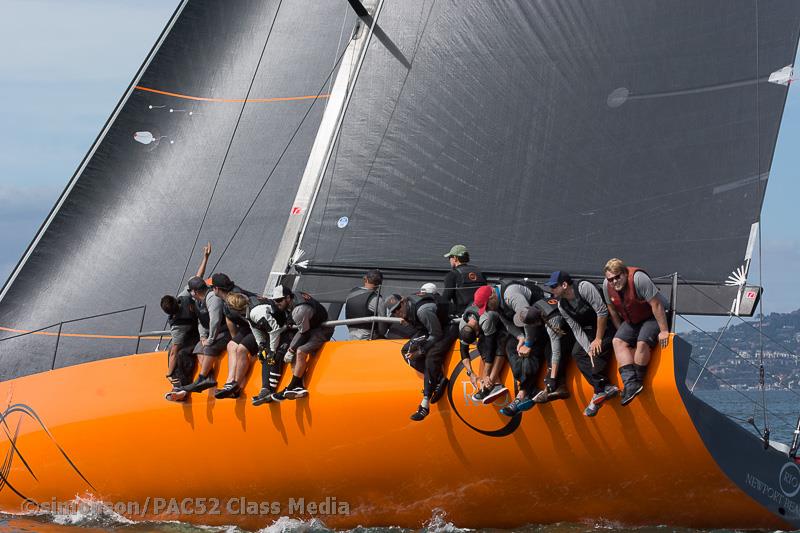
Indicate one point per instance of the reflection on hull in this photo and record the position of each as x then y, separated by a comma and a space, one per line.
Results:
349, 454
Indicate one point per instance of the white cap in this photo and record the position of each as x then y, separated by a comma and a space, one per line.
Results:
278, 292
429, 288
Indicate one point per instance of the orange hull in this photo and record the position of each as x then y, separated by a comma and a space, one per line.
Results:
352, 447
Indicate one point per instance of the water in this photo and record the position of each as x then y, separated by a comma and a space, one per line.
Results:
783, 408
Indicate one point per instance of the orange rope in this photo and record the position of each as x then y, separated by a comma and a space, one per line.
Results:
231, 100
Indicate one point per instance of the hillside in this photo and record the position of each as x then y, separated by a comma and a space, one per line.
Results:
736, 359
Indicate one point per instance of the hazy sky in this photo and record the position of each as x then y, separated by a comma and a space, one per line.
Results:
65, 64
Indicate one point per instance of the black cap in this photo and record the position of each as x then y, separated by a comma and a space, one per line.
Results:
221, 281
529, 315
196, 283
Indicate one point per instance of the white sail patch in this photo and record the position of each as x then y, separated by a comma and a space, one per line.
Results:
783, 76
740, 183
144, 137
342, 222
618, 97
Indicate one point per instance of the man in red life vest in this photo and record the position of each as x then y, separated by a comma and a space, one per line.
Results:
638, 311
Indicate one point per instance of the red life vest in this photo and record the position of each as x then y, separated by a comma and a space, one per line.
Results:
630, 308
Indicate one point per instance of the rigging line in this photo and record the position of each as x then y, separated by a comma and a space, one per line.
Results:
277, 162
736, 354
711, 353
386, 129
230, 100
755, 403
230, 143
777, 343
759, 203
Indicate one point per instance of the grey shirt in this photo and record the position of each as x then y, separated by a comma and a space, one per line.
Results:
592, 296
376, 306
216, 317
426, 314
180, 332
517, 298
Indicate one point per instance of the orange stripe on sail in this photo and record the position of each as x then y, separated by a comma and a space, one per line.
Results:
82, 335
231, 100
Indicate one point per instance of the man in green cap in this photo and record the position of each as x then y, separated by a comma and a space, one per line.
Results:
462, 281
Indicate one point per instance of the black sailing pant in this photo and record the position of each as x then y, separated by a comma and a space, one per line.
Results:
525, 369
272, 369
596, 375
186, 361
430, 365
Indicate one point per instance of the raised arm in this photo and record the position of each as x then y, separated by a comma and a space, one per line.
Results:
201, 270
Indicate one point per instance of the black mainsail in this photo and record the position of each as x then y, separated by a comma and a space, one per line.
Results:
554, 135
223, 112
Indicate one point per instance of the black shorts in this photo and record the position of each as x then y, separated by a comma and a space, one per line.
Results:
215, 348
246, 339
646, 331
314, 339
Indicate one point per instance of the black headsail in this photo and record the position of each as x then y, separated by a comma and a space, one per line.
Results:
557, 134
229, 100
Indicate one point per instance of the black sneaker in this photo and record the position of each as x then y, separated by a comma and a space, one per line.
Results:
201, 384
264, 396
630, 392
420, 414
295, 392
278, 396
438, 392
230, 390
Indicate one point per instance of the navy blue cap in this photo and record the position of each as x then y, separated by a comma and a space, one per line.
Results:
557, 278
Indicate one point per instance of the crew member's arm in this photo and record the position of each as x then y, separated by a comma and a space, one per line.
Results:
449, 291
590, 293
214, 305
580, 336
301, 315
201, 270
615, 318
647, 290
427, 316
555, 348
378, 308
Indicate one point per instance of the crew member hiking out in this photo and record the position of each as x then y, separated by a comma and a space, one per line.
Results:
462, 281
269, 322
426, 352
366, 301
638, 311
583, 309
484, 328
309, 315
242, 347
544, 316
182, 320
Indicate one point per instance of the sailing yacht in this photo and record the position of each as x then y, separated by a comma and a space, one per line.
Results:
311, 141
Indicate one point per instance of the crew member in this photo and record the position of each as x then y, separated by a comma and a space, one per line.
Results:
583, 309
270, 324
638, 311
214, 336
182, 320
545, 316
484, 328
433, 338
242, 346
309, 315
364, 302
462, 281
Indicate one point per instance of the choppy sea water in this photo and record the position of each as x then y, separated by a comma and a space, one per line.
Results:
783, 408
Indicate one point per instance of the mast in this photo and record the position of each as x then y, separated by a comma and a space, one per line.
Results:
322, 149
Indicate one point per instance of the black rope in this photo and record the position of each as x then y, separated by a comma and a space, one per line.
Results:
280, 157
228, 149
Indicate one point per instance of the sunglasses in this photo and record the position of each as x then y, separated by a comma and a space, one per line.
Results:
614, 279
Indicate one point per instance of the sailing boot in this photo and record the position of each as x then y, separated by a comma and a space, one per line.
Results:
632, 385
264, 396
